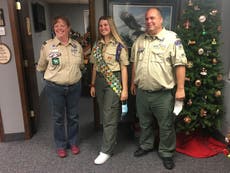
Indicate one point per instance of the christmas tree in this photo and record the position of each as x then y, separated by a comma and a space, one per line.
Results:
199, 30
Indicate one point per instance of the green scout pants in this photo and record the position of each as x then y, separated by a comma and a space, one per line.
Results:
160, 105
109, 108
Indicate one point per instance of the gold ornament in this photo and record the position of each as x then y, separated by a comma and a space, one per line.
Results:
187, 119
189, 64
200, 51
203, 113
219, 77
189, 102
213, 12
196, 8
217, 93
202, 18
219, 28
187, 79
213, 41
190, 3
191, 42
203, 71
198, 83
214, 61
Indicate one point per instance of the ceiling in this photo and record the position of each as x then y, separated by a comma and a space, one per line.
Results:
68, 1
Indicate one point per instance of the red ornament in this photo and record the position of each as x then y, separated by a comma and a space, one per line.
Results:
187, 24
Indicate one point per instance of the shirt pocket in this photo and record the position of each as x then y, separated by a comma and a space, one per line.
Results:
110, 56
158, 56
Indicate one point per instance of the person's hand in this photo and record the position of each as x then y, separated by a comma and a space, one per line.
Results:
133, 89
124, 95
92, 91
180, 94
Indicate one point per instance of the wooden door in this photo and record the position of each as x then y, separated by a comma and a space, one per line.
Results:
24, 57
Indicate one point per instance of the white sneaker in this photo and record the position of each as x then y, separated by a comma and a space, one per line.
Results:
101, 158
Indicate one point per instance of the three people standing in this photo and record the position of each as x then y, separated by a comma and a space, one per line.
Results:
158, 74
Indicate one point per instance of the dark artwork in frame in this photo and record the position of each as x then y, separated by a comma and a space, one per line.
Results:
129, 16
39, 17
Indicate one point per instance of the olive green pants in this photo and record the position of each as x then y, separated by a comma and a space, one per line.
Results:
109, 109
160, 105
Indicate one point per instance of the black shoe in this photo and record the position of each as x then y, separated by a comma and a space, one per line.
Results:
168, 162
140, 152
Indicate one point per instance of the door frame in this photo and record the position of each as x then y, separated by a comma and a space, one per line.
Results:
19, 66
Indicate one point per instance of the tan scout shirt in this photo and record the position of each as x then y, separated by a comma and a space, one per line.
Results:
155, 60
109, 55
70, 61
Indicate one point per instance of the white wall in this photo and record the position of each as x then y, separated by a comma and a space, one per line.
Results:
38, 38
225, 53
10, 102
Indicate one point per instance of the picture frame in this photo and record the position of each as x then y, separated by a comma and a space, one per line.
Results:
2, 20
129, 16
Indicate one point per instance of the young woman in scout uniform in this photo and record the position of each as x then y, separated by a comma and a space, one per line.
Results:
109, 82
61, 59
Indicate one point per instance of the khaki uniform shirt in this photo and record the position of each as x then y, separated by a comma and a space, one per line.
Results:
109, 55
67, 72
155, 60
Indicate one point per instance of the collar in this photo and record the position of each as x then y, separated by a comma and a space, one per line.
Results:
111, 41
57, 42
159, 36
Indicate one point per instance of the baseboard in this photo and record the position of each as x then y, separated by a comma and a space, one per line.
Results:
13, 137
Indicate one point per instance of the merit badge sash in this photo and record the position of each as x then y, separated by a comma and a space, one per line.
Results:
111, 79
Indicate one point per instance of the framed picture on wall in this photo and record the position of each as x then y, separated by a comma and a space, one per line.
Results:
129, 16
2, 21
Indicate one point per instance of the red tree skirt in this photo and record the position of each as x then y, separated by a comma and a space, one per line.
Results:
198, 146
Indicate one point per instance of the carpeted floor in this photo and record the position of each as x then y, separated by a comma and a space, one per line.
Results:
37, 155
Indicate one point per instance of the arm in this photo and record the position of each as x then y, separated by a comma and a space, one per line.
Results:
180, 78
124, 80
92, 85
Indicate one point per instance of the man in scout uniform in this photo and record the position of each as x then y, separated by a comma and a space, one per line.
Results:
158, 66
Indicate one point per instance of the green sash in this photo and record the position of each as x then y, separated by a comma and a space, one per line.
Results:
110, 78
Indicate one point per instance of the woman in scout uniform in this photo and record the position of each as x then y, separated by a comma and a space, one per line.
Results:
109, 82
61, 59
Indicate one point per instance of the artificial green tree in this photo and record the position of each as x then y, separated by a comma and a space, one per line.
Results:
199, 29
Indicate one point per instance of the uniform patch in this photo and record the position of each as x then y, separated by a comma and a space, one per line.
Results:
178, 42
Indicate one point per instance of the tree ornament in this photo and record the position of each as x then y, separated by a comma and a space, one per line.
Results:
203, 113
191, 42
217, 111
203, 72
189, 102
202, 18
196, 8
190, 3
214, 61
219, 28
189, 64
217, 93
198, 83
187, 119
203, 31
200, 51
213, 41
187, 79
187, 24
213, 12
219, 77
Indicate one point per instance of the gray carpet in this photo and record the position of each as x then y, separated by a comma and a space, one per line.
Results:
38, 154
